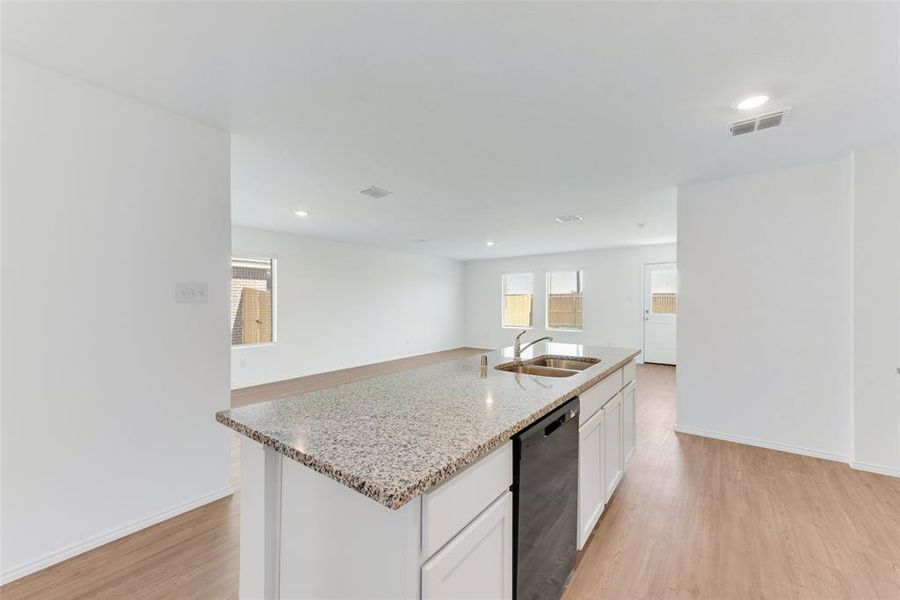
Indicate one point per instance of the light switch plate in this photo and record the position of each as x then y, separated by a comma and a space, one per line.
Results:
191, 293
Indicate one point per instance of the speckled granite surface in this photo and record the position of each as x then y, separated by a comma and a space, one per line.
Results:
393, 437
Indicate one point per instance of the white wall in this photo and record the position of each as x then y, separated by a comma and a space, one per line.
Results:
876, 193
341, 305
612, 295
109, 387
765, 308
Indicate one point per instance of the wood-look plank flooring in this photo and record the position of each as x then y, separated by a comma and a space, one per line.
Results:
693, 518
701, 518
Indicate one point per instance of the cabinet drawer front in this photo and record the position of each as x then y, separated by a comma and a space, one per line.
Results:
452, 505
597, 395
629, 371
478, 562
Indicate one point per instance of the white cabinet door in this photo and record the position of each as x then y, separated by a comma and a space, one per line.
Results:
477, 563
612, 445
629, 427
591, 489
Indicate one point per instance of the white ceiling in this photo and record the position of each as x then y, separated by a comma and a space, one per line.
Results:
485, 120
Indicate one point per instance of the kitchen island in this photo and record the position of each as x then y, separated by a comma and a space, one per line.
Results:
391, 481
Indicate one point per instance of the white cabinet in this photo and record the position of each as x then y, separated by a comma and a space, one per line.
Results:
606, 441
449, 507
599, 394
629, 430
612, 445
477, 563
629, 371
591, 489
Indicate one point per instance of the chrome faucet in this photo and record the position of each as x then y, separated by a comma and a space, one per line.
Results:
518, 347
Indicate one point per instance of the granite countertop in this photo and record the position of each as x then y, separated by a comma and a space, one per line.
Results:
393, 437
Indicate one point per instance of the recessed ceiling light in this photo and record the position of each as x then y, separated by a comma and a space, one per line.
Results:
752, 102
301, 213
489, 243
569, 218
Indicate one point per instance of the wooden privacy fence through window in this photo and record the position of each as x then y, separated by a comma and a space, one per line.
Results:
664, 303
565, 311
517, 310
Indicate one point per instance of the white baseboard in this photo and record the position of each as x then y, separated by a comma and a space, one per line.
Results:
873, 468
739, 439
109, 536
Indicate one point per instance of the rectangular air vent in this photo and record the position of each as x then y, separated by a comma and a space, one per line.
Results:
770, 121
742, 127
758, 123
570, 218
375, 192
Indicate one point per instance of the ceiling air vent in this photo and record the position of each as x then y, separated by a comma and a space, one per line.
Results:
375, 192
758, 123
570, 218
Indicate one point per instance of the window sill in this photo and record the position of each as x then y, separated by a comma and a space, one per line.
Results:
563, 329
260, 345
516, 327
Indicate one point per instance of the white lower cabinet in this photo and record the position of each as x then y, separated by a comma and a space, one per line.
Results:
591, 490
613, 463
606, 441
477, 563
629, 431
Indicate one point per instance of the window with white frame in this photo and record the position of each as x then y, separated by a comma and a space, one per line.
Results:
252, 301
565, 300
518, 300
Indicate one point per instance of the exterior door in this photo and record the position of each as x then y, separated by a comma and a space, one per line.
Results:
660, 311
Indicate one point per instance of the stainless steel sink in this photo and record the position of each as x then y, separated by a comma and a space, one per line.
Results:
537, 370
549, 366
562, 363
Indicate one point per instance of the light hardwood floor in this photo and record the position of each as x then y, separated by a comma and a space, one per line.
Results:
693, 518
701, 518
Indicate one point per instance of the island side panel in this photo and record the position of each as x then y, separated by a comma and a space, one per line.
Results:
337, 543
252, 547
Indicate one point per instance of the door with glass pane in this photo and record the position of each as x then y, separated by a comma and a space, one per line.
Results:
660, 312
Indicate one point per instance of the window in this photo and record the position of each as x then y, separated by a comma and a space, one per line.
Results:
518, 300
252, 301
565, 300
663, 291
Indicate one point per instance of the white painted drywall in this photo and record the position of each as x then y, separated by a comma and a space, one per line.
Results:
765, 308
876, 201
109, 387
613, 283
340, 305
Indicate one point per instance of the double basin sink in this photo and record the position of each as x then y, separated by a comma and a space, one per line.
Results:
548, 366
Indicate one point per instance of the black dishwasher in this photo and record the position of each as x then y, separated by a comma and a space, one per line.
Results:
545, 504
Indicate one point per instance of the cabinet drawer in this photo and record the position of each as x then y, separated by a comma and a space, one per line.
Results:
452, 505
597, 395
629, 372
